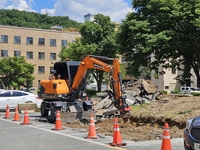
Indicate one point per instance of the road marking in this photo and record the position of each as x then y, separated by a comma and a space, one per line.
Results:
60, 133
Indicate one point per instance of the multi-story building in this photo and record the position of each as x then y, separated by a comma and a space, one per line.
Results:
168, 82
40, 47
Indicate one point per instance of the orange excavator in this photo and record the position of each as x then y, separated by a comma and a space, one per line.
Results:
65, 90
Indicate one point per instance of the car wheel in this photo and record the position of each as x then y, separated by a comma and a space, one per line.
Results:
52, 117
186, 148
43, 111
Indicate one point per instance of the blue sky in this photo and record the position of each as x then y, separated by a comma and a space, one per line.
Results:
75, 9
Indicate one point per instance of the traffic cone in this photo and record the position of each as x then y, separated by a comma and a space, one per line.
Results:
117, 140
58, 124
16, 115
7, 114
26, 118
166, 143
92, 132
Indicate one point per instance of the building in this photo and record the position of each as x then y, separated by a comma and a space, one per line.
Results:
39, 46
167, 82
89, 17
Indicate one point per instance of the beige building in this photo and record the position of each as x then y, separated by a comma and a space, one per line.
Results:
168, 82
40, 47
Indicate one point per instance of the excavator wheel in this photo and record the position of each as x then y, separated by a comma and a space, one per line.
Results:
52, 117
43, 111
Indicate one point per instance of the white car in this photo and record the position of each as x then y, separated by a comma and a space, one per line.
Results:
188, 90
13, 97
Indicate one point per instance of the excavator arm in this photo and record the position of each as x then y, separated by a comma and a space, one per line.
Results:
94, 62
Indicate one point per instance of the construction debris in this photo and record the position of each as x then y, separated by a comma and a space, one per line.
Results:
137, 92
141, 91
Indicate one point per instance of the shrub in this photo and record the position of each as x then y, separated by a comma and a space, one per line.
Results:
176, 91
163, 92
195, 93
91, 93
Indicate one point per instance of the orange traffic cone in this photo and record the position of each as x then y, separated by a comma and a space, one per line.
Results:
117, 140
58, 124
16, 115
7, 114
26, 118
92, 132
166, 143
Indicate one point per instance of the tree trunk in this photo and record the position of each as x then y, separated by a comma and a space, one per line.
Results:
196, 71
98, 75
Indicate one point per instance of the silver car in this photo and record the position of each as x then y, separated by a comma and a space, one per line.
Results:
13, 97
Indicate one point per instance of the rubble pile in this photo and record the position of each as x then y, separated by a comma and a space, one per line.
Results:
140, 91
137, 92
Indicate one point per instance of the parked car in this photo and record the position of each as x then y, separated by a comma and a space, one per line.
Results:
188, 90
192, 134
13, 97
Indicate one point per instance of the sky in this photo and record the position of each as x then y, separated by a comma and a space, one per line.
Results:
74, 9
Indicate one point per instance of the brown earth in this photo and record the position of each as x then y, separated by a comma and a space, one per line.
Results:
147, 120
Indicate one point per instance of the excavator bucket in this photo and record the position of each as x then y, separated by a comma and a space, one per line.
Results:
76, 112
31, 107
70, 117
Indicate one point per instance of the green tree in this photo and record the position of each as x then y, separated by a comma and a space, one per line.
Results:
169, 30
97, 38
15, 72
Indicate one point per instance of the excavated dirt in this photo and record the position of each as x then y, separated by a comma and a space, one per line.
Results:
147, 120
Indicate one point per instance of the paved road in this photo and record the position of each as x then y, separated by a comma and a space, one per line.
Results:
39, 136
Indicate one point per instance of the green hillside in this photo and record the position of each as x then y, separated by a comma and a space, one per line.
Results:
34, 20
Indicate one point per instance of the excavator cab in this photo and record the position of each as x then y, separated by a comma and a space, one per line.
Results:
67, 70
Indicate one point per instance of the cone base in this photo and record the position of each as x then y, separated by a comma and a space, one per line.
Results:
6, 117
58, 129
119, 144
91, 137
16, 120
25, 123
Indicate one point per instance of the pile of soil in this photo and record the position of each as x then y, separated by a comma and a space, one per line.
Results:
146, 121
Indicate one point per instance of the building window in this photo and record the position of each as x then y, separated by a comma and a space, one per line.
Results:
29, 40
41, 41
73, 41
41, 69
17, 53
17, 39
64, 43
52, 56
51, 68
173, 71
166, 87
4, 38
52, 42
4, 53
41, 55
29, 55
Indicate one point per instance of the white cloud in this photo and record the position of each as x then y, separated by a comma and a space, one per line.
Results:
75, 9
115, 9
20, 5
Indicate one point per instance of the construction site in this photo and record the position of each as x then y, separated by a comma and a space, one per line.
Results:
150, 111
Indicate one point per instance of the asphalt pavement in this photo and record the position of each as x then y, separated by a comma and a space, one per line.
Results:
39, 136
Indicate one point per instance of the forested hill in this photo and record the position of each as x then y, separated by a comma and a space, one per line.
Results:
34, 20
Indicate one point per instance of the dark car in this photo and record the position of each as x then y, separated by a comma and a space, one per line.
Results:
192, 134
